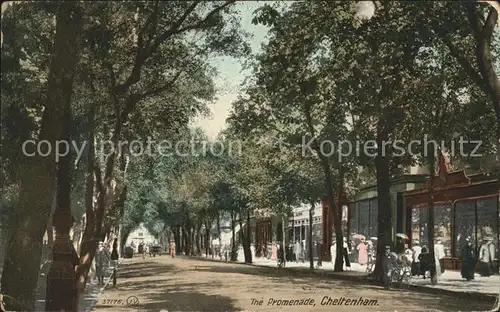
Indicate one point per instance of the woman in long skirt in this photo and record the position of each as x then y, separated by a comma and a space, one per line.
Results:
362, 253
468, 260
346, 255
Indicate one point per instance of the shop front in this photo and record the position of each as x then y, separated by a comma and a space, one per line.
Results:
463, 207
363, 211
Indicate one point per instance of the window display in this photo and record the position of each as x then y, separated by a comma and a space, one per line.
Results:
419, 225
415, 224
487, 220
373, 228
442, 226
465, 224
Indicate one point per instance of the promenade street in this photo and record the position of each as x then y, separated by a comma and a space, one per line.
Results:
180, 284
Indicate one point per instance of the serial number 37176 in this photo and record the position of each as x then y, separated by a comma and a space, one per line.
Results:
112, 301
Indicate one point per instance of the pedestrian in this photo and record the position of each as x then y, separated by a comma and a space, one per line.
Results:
102, 258
468, 260
172, 249
114, 252
437, 264
333, 252
346, 253
486, 257
281, 254
425, 261
386, 267
440, 254
362, 252
415, 265
297, 251
319, 249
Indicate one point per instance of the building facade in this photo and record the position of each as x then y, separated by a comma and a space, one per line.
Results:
363, 211
138, 236
464, 206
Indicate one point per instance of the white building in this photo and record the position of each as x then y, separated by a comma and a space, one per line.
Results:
140, 235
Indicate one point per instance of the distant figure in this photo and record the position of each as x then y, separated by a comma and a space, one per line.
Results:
362, 253
274, 252
370, 250
486, 257
114, 253
346, 255
415, 265
439, 253
333, 252
319, 248
297, 250
386, 267
102, 258
303, 249
468, 260
172, 249
425, 261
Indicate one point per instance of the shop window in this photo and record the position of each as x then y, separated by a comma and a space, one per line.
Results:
353, 218
487, 220
419, 220
373, 218
442, 226
465, 224
364, 217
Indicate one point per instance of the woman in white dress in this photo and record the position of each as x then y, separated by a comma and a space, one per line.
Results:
333, 252
438, 266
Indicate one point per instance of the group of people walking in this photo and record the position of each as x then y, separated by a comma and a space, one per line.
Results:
486, 257
421, 260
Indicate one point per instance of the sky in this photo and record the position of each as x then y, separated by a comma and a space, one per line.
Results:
231, 75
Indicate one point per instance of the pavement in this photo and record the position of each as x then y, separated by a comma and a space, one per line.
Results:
449, 283
190, 284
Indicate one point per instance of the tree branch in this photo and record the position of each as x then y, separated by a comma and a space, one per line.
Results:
144, 53
464, 62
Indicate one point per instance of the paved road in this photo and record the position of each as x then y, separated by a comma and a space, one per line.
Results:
166, 284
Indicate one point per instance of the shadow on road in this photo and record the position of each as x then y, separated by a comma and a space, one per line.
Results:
327, 286
202, 286
184, 301
145, 269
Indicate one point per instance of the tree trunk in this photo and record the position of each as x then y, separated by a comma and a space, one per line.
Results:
89, 241
310, 240
185, 242
192, 242
244, 241
284, 242
430, 222
208, 237
177, 240
20, 272
198, 239
384, 217
337, 222
50, 226
483, 35
233, 241
249, 239
219, 235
